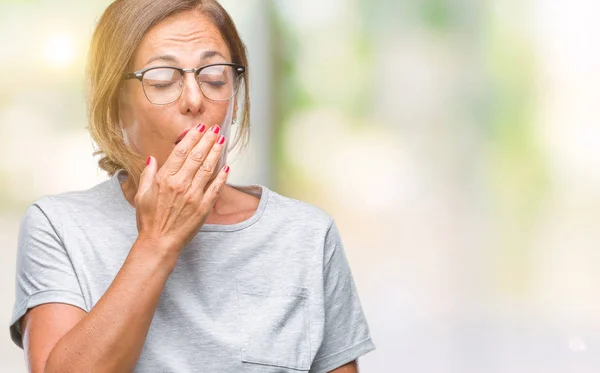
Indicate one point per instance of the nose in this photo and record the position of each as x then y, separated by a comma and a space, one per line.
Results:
191, 100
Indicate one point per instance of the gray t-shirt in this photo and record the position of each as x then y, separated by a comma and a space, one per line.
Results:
271, 294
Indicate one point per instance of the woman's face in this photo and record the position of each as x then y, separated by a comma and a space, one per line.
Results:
186, 40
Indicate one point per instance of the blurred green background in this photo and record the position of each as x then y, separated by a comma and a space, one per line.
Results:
454, 142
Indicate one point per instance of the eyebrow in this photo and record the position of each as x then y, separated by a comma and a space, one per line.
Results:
170, 58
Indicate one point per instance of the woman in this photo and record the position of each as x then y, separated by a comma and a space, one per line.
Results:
165, 267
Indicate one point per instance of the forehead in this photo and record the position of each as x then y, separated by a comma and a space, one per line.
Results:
185, 36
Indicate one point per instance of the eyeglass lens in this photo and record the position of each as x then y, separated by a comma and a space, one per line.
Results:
164, 85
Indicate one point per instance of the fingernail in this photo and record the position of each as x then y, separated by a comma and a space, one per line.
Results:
216, 129
226, 169
221, 140
148, 161
201, 127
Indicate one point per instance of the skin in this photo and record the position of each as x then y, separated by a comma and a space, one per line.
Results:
63, 338
153, 129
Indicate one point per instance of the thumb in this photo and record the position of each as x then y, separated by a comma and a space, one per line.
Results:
147, 176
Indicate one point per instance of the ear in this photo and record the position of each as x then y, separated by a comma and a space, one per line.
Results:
124, 108
235, 109
124, 111
123, 132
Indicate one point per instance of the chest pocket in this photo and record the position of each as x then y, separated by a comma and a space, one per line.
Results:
274, 325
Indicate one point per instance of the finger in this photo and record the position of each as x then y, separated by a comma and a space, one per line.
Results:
215, 187
180, 152
146, 177
206, 172
200, 156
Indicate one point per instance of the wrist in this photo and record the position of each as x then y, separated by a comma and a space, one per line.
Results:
158, 254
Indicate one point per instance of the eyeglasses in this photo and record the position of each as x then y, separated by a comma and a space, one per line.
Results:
164, 85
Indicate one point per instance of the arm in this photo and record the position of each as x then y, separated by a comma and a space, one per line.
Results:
42, 328
351, 367
63, 338
346, 334
171, 206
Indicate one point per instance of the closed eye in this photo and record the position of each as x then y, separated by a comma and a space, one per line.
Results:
162, 85
216, 84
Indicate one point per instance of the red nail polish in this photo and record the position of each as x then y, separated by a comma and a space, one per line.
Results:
201, 127
221, 140
226, 169
216, 129
148, 161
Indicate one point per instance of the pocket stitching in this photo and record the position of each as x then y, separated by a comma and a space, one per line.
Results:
284, 291
294, 291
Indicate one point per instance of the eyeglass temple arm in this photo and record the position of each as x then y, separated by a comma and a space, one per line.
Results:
137, 76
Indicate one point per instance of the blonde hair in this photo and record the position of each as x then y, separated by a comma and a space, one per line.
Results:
113, 46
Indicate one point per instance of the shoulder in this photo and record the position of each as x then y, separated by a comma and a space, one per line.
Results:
54, 207
299, 213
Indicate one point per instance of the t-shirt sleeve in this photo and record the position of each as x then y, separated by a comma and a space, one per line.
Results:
44, 272
346, 333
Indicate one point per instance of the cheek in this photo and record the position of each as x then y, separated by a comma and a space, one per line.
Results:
156, 119
219, 113
151, 129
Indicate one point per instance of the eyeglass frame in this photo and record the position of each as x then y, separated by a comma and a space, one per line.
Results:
139, 75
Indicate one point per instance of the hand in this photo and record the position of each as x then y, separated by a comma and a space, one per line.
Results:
173, 203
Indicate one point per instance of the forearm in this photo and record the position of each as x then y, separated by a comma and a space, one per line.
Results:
111, 336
